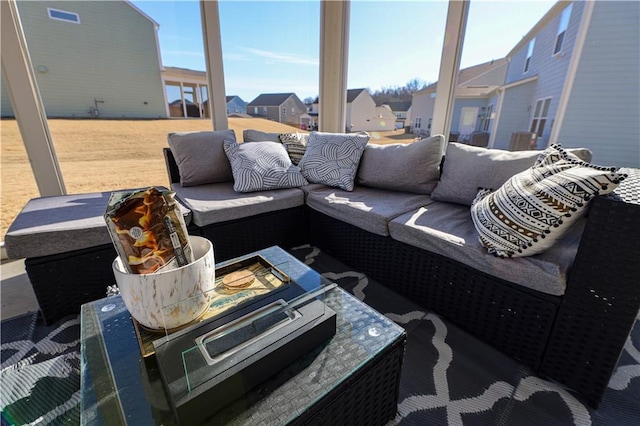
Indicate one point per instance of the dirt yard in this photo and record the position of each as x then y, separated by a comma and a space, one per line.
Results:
103, 155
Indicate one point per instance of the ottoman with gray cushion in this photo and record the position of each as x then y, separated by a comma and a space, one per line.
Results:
67, 248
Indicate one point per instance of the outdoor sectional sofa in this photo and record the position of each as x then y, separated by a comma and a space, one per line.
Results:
566, 313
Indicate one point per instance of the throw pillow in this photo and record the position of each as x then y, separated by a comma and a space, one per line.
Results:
467, 168
250, 135
412, 167
200, 156
261, 166
295, 144
333, 158
534, 208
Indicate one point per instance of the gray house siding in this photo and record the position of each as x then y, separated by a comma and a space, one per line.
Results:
294, 109
550, 69
603, 112
111, 55
514, 116
457, 110
236, 106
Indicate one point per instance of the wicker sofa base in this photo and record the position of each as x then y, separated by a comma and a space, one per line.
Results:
63, 282
511, 318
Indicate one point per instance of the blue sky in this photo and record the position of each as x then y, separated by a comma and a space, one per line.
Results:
273, 46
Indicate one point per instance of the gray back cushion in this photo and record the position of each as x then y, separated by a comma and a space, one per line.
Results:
412, 167
467, 168
200, 156
250, 135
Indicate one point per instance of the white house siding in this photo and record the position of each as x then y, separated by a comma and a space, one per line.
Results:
111, 55
421, 107
550, 69
603, 112
360, 112
514, 114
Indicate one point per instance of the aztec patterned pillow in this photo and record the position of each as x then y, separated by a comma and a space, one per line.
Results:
261, 166
534, 208
333, 158
295, 144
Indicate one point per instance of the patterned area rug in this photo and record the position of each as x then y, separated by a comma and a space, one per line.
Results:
449, 377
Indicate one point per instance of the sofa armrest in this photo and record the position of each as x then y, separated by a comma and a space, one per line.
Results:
602, 298
172, 166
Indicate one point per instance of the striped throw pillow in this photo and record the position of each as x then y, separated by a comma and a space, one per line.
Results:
534, 208
295, 144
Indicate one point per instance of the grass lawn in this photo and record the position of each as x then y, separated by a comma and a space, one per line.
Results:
105, 155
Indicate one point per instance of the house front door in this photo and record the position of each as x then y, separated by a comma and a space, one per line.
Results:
468, 118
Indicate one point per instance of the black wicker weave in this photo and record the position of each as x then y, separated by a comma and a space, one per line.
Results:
63, 282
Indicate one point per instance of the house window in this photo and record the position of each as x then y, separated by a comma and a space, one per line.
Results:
487, 118
539, 118
418, 122
264, 110
293, 110
562, 29
255, 110
61, 15
429, 123
284, 111
527, 61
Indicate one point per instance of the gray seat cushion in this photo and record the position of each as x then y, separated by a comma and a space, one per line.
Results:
52, 225
447, 229
218, 202
367, 208
59, 224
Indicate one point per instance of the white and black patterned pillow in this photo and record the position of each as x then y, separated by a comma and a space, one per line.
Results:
261, 166
333, 158
534, 208
295, 144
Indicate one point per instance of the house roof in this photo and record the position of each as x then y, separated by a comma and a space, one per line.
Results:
184, 71
230, 98
352, 94
467, 76
155, 24
398, 106
270, 99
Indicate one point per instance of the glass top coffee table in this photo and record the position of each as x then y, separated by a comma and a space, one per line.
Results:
353, 378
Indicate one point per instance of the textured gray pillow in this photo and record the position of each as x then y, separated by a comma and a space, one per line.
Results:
200, 156
261, 166
250, 135
412, 167
333, 158
467, 168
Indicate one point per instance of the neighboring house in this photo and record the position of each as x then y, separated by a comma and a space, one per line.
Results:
363, 115
574, 78
473, 107
188, 85
235, 105
282, 107
402, 112
100, 36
